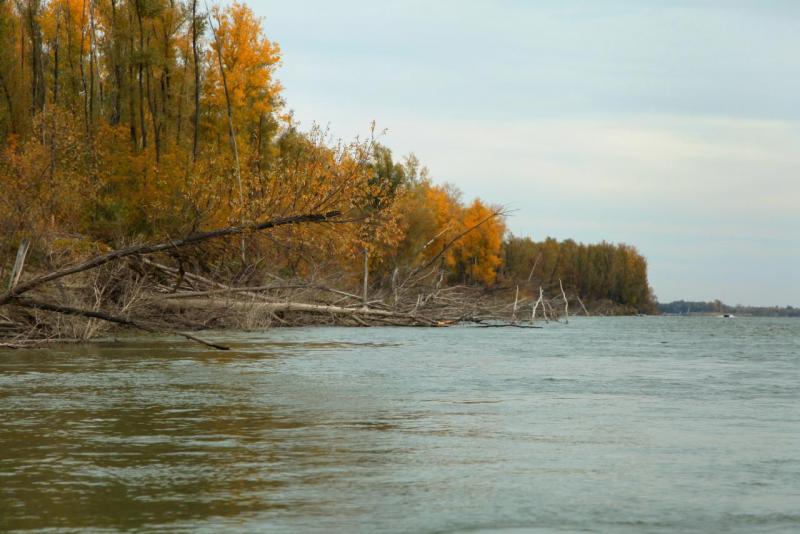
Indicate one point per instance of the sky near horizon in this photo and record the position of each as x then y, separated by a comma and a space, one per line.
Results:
673, 126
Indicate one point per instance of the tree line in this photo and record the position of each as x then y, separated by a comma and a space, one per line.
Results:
129, 120
683, 307
597, 272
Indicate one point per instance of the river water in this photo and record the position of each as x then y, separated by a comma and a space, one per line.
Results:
656, 424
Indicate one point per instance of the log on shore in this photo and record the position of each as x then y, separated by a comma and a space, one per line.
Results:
269, 308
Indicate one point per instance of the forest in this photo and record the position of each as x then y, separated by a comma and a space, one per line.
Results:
125, 123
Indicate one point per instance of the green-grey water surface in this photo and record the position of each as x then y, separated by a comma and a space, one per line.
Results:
635, 424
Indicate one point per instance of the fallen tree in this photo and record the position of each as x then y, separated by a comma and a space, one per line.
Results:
13, 295
171, 299
142, 250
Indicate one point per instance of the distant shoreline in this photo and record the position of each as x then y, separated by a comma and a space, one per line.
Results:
683, 307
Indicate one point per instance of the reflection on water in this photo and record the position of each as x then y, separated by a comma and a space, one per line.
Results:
637, 424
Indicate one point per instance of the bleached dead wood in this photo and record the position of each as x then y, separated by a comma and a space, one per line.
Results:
582, 306
514, 312
300, 307
174, 296
566, 301
536, 305
535, 262
15, 290
19, 264
366, 276
553, 314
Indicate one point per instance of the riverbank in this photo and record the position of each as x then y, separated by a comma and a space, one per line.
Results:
149, 288
161, 299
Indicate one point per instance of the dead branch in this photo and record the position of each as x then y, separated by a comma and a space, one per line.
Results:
19, 264
95, 314
135, 250
566, 302
536, 305
582, 306
496, 213
301, 307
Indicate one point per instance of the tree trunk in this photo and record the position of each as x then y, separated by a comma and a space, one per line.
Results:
142, 96
55, 57
9, 103
83, 71
231, 131
91, 66
131, 96
366, 277
196, 82
37, 66
116, 112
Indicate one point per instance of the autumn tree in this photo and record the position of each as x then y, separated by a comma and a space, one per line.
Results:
125, 120
477, 254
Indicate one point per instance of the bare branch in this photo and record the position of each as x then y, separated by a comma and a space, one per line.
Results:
94, 314
102, 259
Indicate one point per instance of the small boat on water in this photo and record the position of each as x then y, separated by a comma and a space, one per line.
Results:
728, 316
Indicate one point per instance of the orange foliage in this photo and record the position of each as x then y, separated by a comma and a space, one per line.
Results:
249, 60
110, 157
479, 252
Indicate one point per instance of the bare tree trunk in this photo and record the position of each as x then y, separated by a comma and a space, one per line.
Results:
514, 312
37, 66
552, 312
131, 96
366, 277
165, 82
196, 82
91, 65
155, 115
55, 57
140, 67
231, 131
536, 304
10, 103
582, 306
19, 264
83, 71
196, 59
116, 113
72, 77
536, 262
53, 130
260, 155
181, 100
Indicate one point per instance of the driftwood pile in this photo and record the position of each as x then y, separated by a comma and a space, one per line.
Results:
137, 288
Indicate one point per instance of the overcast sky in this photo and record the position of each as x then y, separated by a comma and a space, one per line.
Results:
673, 126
